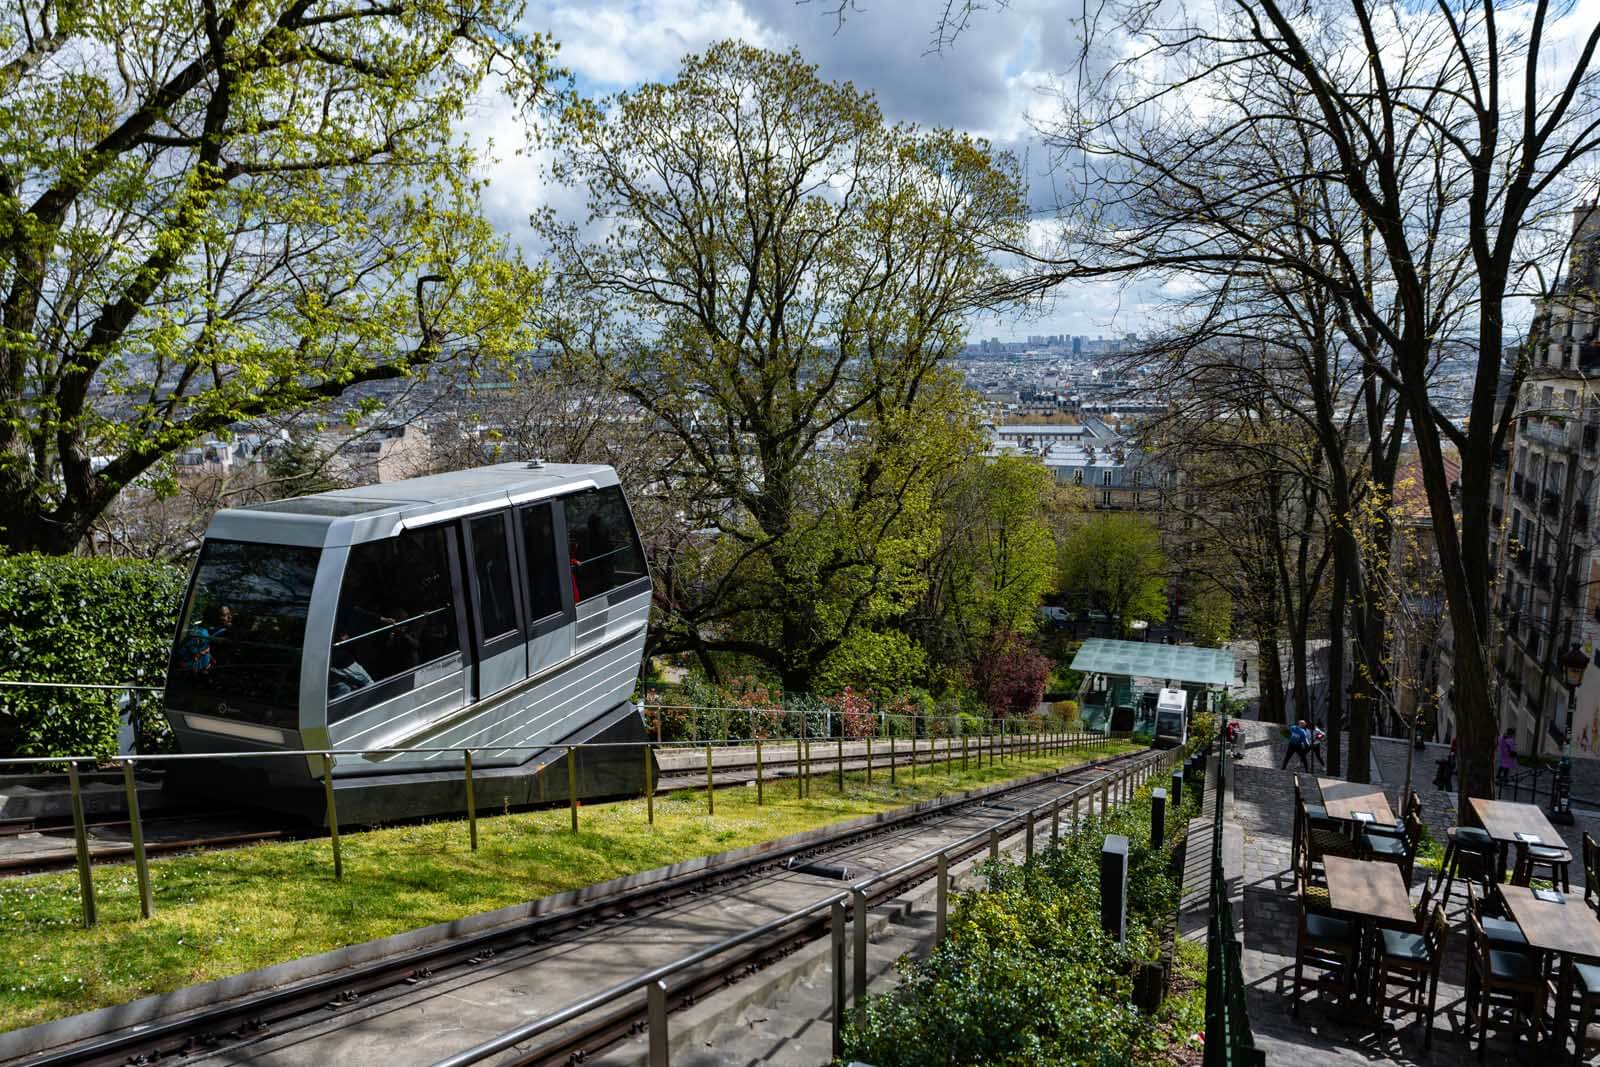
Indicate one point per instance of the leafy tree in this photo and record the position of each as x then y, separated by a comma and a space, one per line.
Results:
300, 468
1211, 617
997, 556
1116, 561
778, 280
213, 213
1011, 676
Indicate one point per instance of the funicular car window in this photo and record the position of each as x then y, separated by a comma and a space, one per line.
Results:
539, 542
601, 542
243, 631
491, 561
396, 612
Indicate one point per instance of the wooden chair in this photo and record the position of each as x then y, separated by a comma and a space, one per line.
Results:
1588, 994
1490, 913
1307, 814
1400, 850
1328, 945
1591, 890
1471, 853
1532, 859
1408, 963
1502, 978
1317, 841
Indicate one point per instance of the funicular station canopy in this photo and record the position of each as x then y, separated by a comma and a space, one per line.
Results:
1112, 667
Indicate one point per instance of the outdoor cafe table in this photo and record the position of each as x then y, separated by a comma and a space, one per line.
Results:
1355, 801
1512, 824
1369, 891
1568, 928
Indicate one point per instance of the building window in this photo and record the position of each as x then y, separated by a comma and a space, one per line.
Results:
1077, 476
1105, 498
1105, 477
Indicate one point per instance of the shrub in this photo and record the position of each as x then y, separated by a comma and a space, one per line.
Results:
69, 619
1026, 975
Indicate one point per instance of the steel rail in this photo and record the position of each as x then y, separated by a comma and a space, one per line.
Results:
972, 841
165, 1036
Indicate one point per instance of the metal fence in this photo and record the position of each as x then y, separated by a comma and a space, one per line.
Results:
999, 744
851, 904
1229, 1041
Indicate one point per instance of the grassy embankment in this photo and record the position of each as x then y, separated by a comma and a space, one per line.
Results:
222, 913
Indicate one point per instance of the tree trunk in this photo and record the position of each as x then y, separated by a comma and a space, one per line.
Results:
1298, 666
1270, 680
1336, 660
1364, 693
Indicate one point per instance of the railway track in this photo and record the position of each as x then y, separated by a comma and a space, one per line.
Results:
314, 1021
34, 846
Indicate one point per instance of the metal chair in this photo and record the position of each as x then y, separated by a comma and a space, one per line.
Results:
1503, 978
1409, 962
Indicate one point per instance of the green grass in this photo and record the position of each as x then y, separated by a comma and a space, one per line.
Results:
226, 912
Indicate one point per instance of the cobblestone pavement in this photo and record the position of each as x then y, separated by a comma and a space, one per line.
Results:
1327, 1031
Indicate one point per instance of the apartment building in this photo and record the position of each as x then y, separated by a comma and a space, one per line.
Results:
1543, 513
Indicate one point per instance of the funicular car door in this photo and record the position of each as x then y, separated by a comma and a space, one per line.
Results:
547, 585
496, 599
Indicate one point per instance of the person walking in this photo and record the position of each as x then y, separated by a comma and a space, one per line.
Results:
1299, 745
1508, 755
1317, 737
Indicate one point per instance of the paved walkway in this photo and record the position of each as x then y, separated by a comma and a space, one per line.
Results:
1324, 1031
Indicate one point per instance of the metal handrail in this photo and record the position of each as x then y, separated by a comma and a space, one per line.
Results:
1228, 1038
856, 893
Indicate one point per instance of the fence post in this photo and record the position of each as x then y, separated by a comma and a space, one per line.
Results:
913, 748
711, 785
838, 978
964, 752
994, 843
1158, 817
656, 1010
1055, 822
472, 799
1027, 837
572, 785
649, 786
80, 837
869, 761
893, 780
859, 898
840, 749
141, 863
333, 816
760, 784
800, 758
942, 905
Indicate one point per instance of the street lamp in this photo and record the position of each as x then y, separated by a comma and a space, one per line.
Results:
1573, 663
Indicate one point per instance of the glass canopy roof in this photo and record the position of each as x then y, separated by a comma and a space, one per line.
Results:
1183, 663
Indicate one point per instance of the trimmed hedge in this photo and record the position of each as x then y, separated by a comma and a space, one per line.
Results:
73, 619
1026, 976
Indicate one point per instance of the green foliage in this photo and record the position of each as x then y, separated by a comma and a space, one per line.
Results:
1202, 731
1210, 621
72, 619
1026, 975
1115, 561
883, 660
866, 242
300, 468
212, 216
